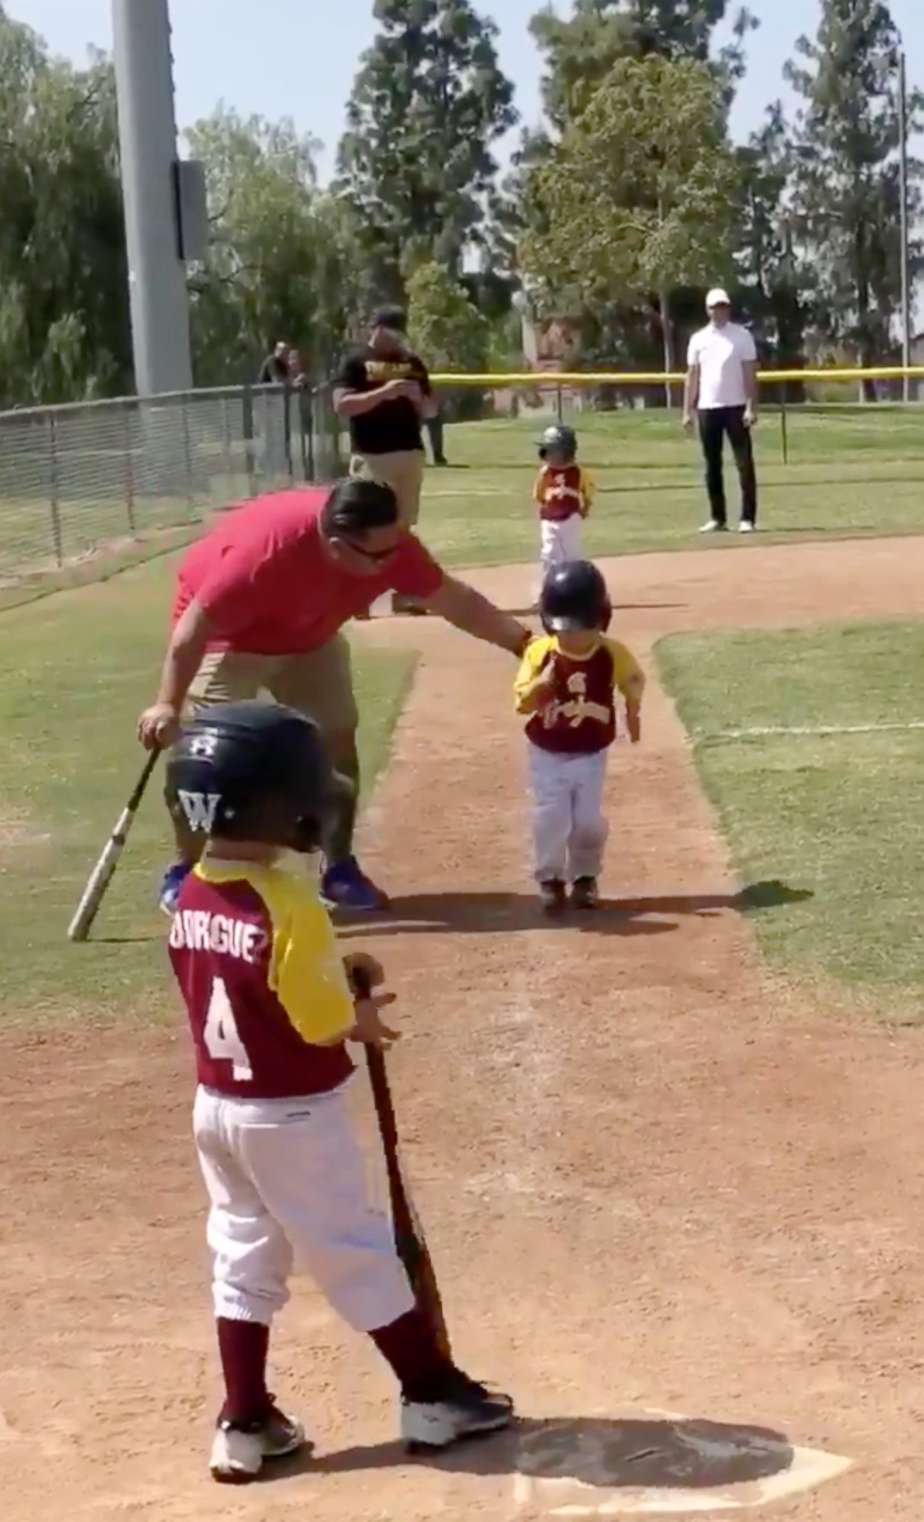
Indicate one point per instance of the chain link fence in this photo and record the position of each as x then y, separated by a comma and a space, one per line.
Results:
115, 481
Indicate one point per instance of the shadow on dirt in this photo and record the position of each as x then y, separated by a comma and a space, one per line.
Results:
495, 913
635, 1453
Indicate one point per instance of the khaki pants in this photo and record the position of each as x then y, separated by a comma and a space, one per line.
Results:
318, 683
403, 471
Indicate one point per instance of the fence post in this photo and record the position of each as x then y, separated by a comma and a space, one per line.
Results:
559, 404
187, 454
247, 431
129, 473
287, 427
226, 438
311, 414
54, 488
784, 430
304, 416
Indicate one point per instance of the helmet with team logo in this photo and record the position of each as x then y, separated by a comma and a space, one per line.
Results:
254, 771
573, 597
560, 438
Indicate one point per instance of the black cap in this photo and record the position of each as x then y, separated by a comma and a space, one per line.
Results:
392, 317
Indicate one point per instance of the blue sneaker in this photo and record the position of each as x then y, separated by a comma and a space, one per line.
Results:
346, 886
174, 878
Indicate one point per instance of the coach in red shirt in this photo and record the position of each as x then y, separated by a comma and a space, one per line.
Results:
259, 606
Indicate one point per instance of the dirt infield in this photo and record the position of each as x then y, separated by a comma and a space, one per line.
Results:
658, 1185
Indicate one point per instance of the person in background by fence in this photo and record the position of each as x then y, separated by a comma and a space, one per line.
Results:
259, 606
297, 375
384, 392
721, 387
274, 370
435, 428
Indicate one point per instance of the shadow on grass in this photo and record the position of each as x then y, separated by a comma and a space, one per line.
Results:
480, 913
684, 1454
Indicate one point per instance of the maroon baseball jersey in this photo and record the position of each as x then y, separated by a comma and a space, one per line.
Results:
254, 953
581, 717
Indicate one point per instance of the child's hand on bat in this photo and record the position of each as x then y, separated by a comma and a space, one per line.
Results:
363, 974
369, 1027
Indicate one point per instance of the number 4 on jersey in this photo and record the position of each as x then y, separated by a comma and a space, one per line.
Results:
221, 1035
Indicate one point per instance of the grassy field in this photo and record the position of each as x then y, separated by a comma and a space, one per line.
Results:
852, 471
77, 669
839, 817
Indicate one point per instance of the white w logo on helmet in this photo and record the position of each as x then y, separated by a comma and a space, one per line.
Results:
200, 808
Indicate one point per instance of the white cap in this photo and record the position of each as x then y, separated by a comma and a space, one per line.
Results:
717, 298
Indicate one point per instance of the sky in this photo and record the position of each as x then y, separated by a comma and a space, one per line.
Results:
297, 57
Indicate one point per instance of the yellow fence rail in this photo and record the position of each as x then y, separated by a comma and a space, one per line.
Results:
537, 378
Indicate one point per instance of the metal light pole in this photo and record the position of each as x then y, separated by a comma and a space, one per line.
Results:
903, 192
147, 140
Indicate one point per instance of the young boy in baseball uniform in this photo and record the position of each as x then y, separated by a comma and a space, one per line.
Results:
567, 685
271, 1011
564, 491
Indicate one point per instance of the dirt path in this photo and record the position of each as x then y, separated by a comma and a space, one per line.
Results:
654, 1182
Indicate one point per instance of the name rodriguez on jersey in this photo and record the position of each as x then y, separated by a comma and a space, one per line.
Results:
202, 930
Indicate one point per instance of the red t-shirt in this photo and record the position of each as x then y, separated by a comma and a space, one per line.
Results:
268, 586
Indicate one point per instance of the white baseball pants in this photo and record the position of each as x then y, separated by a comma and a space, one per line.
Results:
560, 542
288, 1184
569, 830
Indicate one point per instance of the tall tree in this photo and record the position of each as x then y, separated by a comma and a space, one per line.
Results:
275, 252
638, 196
774, 277
64, 326
581, 51
845, 186
443, 325
427, 104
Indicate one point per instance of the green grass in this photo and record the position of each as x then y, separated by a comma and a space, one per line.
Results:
78, 668
852, 471
838, 817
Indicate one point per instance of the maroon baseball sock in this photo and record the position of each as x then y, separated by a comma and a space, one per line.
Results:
410, 1347
244, 1346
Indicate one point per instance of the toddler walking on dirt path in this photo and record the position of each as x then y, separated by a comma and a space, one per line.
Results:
567, 684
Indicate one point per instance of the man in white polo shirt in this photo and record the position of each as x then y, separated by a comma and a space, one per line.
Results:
722, 389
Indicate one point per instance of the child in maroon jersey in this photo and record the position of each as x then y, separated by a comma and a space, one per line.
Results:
566, 685
564, 493
270, 1010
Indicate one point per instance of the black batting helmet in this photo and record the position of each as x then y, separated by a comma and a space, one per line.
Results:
559, 436
254, 771
574, 596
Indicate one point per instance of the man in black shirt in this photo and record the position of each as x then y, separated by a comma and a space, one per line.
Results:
384, 392
275, 368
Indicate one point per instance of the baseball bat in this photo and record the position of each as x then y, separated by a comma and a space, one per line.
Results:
410, 1242
100, 877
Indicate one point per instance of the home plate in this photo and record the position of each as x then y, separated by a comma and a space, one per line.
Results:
652, 1464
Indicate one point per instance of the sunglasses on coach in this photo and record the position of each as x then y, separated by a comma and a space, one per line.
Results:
374, 555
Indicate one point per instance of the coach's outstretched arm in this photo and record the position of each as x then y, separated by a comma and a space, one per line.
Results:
160, 724
467, 609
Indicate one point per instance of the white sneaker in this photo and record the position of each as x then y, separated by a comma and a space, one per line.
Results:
745, 527
238, 1453
714, 527
465, 1409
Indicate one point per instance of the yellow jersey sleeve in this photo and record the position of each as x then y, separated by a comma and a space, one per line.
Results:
588, 490
306, 972
534, 658
628, 675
